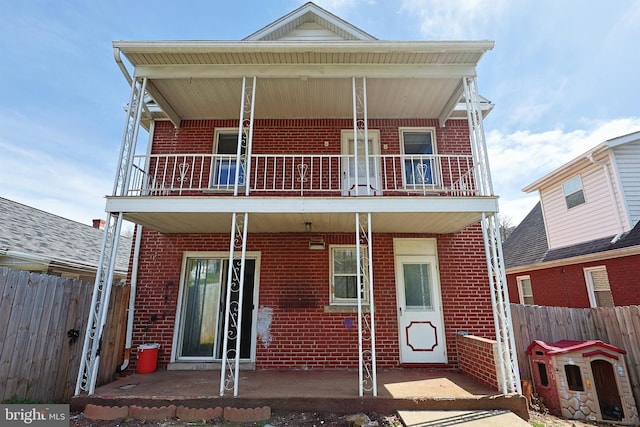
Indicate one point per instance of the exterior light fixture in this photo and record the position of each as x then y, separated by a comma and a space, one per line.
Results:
307, 226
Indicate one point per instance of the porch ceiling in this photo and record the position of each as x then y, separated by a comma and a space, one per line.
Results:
304, 97
271, 215
202, 80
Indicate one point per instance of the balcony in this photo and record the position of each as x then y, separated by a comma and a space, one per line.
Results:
303, 175
194, 193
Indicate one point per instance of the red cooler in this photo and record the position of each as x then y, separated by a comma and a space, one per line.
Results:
147, 358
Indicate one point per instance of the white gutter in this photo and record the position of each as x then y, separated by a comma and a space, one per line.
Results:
123, 68
607, 173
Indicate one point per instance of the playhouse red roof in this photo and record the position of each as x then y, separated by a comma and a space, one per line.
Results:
567, 346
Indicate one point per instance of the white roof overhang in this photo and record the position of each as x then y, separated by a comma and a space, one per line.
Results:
305, 79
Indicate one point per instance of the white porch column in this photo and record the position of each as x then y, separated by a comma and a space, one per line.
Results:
90, 362
508, 359
230, 369
360, 132
367, 372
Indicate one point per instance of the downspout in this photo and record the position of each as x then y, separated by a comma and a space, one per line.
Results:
132, 300
607, 173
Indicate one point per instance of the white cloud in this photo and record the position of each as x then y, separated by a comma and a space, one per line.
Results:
52, 169
446, 19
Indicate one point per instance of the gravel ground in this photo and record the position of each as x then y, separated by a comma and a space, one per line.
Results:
303, 419
308, 419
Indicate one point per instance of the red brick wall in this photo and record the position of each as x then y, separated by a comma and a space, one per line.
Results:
565, 286
294, 282
477, 359
303, 136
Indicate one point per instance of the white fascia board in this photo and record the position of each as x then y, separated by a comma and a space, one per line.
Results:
349, 46
257, 204
408, 71
569, 167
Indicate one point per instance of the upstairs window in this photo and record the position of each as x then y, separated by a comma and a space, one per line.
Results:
418, 149
524, 289
573, 193
223, 174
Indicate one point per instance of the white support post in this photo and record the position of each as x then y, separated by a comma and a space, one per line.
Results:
507, 357
360, 132
90, 362
367, 372
230, 369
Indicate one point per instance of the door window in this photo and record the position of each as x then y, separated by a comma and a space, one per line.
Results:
417, 286
200, 331
201, 299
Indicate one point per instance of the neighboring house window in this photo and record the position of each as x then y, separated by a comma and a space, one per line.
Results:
573, 193
598, 287
524, 289
224, 166
574, 378
418, 149
344, 275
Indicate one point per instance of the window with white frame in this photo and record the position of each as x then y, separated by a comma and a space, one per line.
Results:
524, 290
598, 286
223, 168
344, 276
573, 192
418, 149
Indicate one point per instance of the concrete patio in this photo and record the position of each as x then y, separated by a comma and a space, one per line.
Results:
304, 391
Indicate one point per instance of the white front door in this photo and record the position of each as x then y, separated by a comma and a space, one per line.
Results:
421, 328
354, 168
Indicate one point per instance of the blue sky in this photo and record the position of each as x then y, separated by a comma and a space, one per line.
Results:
563, 76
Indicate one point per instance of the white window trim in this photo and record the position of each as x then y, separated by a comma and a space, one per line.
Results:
593, 302
435, 168
519, 280
565, 195
343, 301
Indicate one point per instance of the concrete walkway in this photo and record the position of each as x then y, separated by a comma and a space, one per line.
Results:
489, 418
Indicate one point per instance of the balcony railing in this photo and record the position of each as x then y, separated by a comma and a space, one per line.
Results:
303, 175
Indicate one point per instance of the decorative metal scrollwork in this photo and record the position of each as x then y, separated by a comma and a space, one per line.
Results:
183, 168
302, 172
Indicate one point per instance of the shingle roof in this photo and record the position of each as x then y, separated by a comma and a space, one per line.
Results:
32, 231
528, 245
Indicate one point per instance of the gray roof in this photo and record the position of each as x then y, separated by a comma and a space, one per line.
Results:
34, 232
528, 245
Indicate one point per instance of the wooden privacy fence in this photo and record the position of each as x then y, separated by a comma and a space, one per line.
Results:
39, 359
619, 326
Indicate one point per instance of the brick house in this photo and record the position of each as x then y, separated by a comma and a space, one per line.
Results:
310, 198
580, 245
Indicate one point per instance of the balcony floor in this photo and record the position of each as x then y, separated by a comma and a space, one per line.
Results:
305, 391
